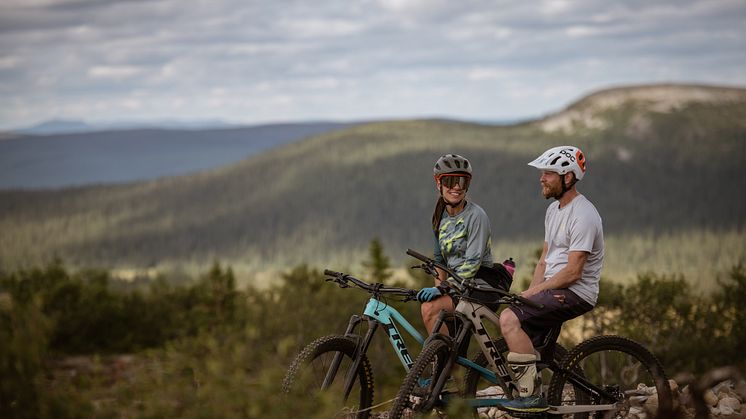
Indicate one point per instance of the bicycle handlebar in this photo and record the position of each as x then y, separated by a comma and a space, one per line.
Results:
509, 296
343, 278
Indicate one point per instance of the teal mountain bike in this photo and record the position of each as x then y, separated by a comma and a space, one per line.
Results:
338, 366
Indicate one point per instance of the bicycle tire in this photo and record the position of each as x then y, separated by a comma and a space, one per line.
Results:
618, 365
428, 366
306, 373
474, 381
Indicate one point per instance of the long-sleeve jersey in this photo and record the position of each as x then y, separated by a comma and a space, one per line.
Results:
464, 242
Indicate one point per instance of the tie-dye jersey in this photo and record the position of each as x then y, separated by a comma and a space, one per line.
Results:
464, 242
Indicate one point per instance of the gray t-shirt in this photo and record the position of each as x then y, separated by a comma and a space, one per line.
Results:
464, 241
576, 227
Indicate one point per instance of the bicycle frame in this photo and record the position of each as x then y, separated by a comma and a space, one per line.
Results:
378, 313
471, 315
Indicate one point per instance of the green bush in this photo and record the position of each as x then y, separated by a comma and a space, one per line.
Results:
206, 349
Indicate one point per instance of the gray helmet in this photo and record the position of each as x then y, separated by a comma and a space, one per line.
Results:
451, 163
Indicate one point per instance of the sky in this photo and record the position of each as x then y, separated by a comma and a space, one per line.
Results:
250, 62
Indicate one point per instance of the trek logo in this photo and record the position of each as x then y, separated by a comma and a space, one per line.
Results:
490, 345
395, 337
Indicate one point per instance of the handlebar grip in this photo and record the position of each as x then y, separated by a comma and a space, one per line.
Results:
419, 256
329, 272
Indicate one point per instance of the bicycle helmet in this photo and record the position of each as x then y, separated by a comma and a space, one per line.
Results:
562, 159
451, 163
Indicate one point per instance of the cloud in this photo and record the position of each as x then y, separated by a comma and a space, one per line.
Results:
336, 59
114, 72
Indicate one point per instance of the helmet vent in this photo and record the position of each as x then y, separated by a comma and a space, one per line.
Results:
555, 160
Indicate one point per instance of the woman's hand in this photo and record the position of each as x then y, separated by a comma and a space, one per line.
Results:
427, 294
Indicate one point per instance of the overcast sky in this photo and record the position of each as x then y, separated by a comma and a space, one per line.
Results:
275, 60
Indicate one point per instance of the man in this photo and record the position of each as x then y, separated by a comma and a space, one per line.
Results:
565, 279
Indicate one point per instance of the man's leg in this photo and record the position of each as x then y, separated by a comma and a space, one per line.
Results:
559, 306
521, 358
517, 340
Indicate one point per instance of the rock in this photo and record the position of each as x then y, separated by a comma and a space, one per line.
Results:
725, 385
652, 403
710, 398
731, 403
726, 411
644, 390
674, 385
637, 400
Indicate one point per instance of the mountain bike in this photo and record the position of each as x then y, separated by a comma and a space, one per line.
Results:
604, 376
338, 365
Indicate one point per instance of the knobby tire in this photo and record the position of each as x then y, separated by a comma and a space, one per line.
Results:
315, 358
599, 357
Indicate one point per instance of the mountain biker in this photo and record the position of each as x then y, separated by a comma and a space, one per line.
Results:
567, 275
462, 239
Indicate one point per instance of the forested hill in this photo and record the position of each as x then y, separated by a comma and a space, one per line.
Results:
660, 158
137, 154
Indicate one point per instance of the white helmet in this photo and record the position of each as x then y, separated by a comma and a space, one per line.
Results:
562, 159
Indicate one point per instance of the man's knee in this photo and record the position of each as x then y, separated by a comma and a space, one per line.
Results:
508, 320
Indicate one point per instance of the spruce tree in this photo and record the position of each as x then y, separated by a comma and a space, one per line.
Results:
378, 265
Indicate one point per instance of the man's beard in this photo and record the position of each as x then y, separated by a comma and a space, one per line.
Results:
551, 192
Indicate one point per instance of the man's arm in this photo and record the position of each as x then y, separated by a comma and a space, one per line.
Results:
541, 267
571, 273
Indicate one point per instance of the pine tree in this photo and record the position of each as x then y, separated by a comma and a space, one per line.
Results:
378, 265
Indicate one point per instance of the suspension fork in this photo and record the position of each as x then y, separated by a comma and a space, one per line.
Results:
332, 371
455, 344
362, 349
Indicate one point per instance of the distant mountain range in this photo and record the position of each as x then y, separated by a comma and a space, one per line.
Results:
662, 159
62, 126
96, 157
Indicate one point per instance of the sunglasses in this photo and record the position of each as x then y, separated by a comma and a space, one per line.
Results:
450, 181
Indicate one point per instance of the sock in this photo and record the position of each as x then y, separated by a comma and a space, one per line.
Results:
524, 368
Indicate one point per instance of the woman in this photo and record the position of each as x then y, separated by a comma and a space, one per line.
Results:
462, 240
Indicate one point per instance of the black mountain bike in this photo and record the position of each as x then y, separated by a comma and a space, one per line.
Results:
604, 376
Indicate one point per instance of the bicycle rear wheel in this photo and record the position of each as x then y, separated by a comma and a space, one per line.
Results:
309, 370
416, 389
619, 374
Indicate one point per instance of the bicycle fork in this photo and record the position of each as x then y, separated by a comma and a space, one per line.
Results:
453, 355
362, 347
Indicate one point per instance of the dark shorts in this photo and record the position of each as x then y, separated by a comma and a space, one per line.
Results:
537, 323
486, 298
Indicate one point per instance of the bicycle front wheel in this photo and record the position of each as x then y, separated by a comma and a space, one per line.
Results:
313, 375
416, 390
620, 379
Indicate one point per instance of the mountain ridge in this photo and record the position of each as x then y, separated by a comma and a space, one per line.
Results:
73, 159
328, 195
583, 113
